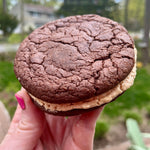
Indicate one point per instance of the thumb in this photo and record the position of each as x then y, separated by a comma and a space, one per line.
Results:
26, 127
83, 129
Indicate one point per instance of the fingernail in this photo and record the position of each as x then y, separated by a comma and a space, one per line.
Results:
20, 101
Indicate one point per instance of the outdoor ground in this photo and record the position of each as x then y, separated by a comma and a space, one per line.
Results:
116, 136
134, 103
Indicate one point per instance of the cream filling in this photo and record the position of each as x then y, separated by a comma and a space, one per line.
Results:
94, 101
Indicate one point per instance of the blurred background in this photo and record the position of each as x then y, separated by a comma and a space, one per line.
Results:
18, 18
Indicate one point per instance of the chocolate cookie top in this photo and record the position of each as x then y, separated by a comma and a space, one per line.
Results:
74, 58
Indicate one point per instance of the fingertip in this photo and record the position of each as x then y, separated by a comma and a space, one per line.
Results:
20, 101
24, 99
23, 90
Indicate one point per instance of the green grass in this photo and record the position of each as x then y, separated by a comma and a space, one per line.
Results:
101, 129
9, 85
13, 38
134, 115
16, 38
8, 81
7, 56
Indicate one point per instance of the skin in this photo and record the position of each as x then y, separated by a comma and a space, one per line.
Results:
32, 129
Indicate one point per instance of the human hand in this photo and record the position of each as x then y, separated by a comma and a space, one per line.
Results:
32, 129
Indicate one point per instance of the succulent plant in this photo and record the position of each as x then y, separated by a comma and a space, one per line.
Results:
135, 136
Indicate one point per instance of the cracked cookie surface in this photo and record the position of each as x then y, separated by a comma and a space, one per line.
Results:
75, 58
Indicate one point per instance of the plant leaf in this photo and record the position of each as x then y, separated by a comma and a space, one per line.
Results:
135, 147
146, 135
134, 133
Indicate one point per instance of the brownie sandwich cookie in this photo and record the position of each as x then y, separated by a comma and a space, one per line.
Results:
76, 64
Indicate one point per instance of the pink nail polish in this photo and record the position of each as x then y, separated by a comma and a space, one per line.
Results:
20, 101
